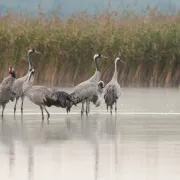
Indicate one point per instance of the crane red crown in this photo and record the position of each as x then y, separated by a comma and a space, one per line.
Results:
10, 69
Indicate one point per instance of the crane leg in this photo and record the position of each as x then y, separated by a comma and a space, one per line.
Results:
82, 109
116, 107
3, 107
22, 102
15, 105
48, 115
87, 107
107, 107
42, 113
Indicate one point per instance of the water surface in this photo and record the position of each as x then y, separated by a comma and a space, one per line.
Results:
141, 142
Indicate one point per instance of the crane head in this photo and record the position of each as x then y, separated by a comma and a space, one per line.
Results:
32, 71
10, 69
98, 56
32, 51
12, 72
101, 84
119, 58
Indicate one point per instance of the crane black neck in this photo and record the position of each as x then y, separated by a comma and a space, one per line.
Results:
30, 76
13, 74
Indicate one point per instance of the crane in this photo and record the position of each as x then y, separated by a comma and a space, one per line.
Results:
112, 90
44, 96
17, 86
6, 93
84, 92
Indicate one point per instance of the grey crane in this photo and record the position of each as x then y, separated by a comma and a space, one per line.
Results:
6, 93
95, 78
96, 99
84, 92
44, 96
112, 90
17, 86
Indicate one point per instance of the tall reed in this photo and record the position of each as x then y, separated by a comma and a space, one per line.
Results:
149, 44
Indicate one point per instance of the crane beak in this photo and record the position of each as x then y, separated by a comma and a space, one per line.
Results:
104, 57
37, 52
122, 61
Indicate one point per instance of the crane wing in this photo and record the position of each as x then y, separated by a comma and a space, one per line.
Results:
37, 94
84, 91
17, 86
63, 99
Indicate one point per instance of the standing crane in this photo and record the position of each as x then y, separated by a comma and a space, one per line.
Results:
84, 92
112, 90
95, 78
44, 96
17, 86
6, 93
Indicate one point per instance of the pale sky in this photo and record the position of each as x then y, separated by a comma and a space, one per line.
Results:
70, 6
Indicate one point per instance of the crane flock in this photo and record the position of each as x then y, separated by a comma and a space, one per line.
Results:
89, 91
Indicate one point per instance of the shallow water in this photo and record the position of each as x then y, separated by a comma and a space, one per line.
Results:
141, 142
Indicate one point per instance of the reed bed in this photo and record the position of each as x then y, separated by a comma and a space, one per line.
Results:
149, 45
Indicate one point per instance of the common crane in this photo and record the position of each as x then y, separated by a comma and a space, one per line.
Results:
112, 90
84, 92
17, 86
96, 99
6, 93
44, 96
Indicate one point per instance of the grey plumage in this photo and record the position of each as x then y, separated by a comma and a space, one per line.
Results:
6, 93
96, 97
17, 86
111, 97
12, 96
84, 92
44, 96
64, 99
112, 90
